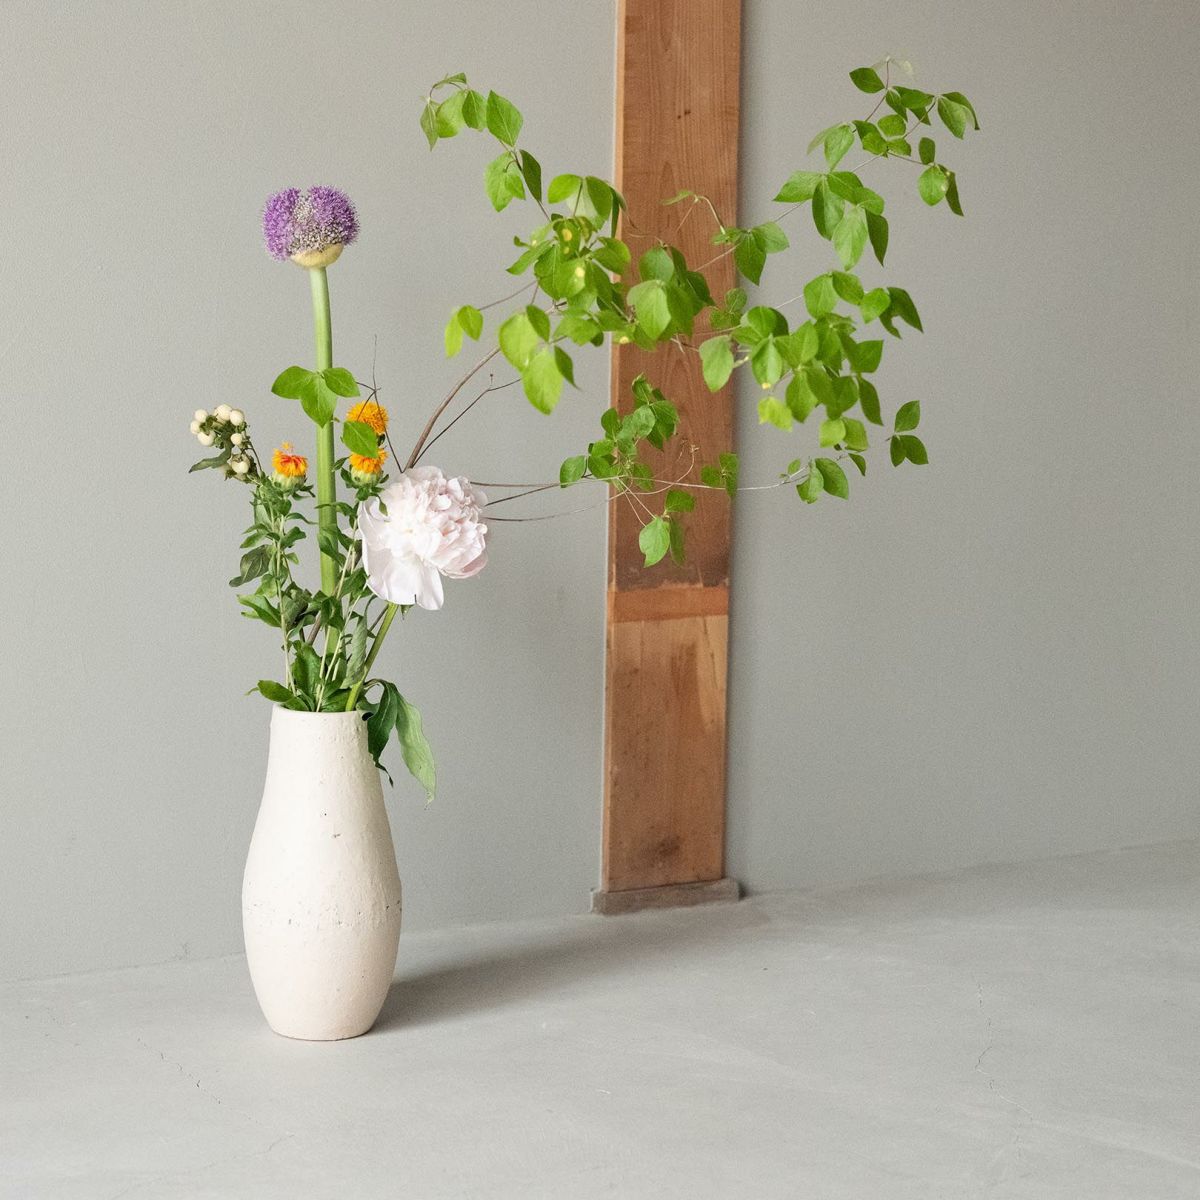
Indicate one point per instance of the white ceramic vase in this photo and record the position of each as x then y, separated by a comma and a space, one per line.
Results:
321, 894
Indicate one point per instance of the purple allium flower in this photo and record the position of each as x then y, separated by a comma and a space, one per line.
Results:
306, 225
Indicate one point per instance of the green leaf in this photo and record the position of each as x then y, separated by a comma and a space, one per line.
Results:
319, 400
655, 540
531, 172
960, 99
679, 501
850, 236
414, 747
539, 319
772, 411
800, 187
291, 384
868, 401
356, 656
877, 230
716, 360
865, 356
926, 150
847, 286
652, 307
903, 307
502, 181
812, 487
952, 200
801, 399
833, 478
856, 434
837, 142
466, 319
572, 470
827, 209
859, 462
429, 123
503, 120
933, 184
914, 449
306, 670
450, 115
543, 381
562, 187
767, 362
750, 258
217, 460
832, 431
382, 720
341, 382
360, 438
819, 295
278, 694
954, 116
474, 110
908, 416
896, 450
866, 79
892, 126
656, 264
770, 237
876, 301
518, 340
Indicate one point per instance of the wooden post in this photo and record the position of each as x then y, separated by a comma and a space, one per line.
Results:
664, 806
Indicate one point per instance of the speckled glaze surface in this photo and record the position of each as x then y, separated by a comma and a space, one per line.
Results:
321, 894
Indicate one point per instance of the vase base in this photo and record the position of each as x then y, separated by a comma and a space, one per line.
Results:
672, 895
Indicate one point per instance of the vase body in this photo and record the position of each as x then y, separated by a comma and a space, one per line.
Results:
321, 894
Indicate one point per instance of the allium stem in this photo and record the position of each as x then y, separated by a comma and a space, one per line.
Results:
326, 491
386, 624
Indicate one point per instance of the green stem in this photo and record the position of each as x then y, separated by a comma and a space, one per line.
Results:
352, 699
326, 491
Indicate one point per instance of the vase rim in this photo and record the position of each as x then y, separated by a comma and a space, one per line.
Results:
354, 713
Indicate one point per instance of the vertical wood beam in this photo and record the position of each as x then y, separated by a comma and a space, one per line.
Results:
664, 807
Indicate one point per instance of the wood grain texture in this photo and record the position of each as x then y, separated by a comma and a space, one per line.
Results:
677, 127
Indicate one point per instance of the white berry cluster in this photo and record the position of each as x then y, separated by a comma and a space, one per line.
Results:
225, 428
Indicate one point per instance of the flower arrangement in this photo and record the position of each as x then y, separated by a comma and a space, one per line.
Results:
386, 544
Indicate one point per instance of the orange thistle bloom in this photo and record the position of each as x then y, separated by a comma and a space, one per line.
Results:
287, 464
370, 412
361, 465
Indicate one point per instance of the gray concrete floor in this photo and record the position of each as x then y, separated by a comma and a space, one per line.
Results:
1006, 1032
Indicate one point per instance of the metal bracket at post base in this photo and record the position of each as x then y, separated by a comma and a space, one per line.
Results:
672, 895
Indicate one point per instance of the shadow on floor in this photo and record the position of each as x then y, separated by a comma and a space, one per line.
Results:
554, 961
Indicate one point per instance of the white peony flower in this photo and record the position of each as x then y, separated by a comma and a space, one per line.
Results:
195, 426
205, 439
221, 412
200, 415
237, 418
236, 439
432, 526
240, 466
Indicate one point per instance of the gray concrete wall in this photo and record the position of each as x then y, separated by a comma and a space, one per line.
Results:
139, 141
990, 658
994, 657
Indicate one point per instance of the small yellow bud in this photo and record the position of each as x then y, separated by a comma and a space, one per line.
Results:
579, 272
567, 235
623, 339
